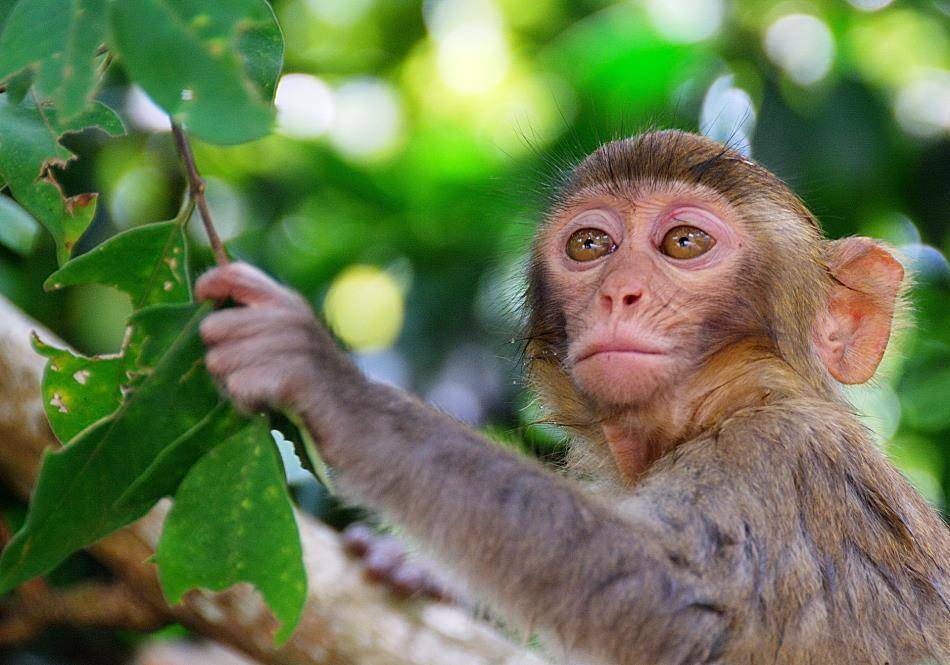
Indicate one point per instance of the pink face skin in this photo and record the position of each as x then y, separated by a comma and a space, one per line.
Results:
630, 313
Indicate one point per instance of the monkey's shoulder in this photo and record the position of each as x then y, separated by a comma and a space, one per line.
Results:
798, 508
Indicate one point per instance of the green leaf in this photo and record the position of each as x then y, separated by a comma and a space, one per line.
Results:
60, 39
76, 500
18, 230
29, 148
232, 522
219, 61
165, 473
78, 391
5, 7
147, 262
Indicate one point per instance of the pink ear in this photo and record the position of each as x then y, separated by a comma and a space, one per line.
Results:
851, 335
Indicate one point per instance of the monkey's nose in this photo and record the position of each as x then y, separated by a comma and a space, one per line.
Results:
621, 298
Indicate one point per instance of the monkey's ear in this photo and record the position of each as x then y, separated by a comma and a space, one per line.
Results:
851, 334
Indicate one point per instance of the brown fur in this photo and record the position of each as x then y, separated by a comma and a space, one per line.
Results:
767, 527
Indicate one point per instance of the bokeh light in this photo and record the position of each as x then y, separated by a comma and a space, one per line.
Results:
923, 106
368, 122
802, 45
870, 5
341, 13
230, 211
364, 307
473, 59
728, 115
894, 48
144, 114
471, 49
136, 195
686, 21
305, 106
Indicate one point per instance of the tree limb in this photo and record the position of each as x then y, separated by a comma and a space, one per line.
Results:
346, 620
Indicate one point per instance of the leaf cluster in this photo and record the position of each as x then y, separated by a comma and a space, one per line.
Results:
147, 422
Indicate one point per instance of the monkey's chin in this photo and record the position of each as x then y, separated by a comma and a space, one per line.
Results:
624, 378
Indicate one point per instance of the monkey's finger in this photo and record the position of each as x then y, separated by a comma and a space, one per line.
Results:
358, 538
242, 283
269, 350
383, 558
253, 389
241, 322
409, 580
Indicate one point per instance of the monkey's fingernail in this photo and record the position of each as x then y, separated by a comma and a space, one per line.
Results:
357, 539
408, 580
382, 561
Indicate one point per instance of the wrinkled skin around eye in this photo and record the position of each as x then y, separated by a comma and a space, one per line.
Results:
589, 244
686, 242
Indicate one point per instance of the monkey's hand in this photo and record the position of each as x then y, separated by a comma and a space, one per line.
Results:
385, 560
268, 350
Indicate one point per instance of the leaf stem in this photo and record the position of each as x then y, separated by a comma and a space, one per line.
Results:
196, 185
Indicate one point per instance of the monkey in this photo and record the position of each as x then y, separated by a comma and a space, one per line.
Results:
690, 326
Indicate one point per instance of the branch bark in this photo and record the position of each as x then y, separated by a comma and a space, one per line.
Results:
196, 188
346, 621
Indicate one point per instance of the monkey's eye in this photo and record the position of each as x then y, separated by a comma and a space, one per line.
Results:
589, 244
686, 242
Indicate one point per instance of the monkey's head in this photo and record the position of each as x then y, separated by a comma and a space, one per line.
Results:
668, 250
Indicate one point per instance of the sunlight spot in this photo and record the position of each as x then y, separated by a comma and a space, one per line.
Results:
81, 376
728, 115
923, 106
145, 114
339, 13
473, 59
305, 106
686, 21
364, 307
368, 120
802, 45
230, 211
870, 5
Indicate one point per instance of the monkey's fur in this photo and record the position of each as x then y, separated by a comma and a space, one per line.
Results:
767, 526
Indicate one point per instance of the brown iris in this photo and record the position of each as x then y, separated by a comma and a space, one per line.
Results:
589, 244
686, 242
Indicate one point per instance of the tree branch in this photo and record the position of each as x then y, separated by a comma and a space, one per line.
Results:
196, 186
89, 604
346, 620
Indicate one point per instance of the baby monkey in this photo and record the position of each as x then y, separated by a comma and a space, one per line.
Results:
690, 326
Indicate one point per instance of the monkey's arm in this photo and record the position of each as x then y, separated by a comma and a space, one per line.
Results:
524, 538
529, 541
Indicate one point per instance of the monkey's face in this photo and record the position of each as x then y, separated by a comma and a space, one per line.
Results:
635, 278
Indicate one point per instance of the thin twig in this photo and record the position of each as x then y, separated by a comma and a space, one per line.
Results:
197, 188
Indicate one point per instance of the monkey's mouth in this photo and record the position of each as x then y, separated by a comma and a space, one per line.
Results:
620, 349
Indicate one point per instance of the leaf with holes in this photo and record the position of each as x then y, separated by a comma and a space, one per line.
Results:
148, 262
30, 148
59, 40
232, 522
219, 64
78, 391
76, 500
